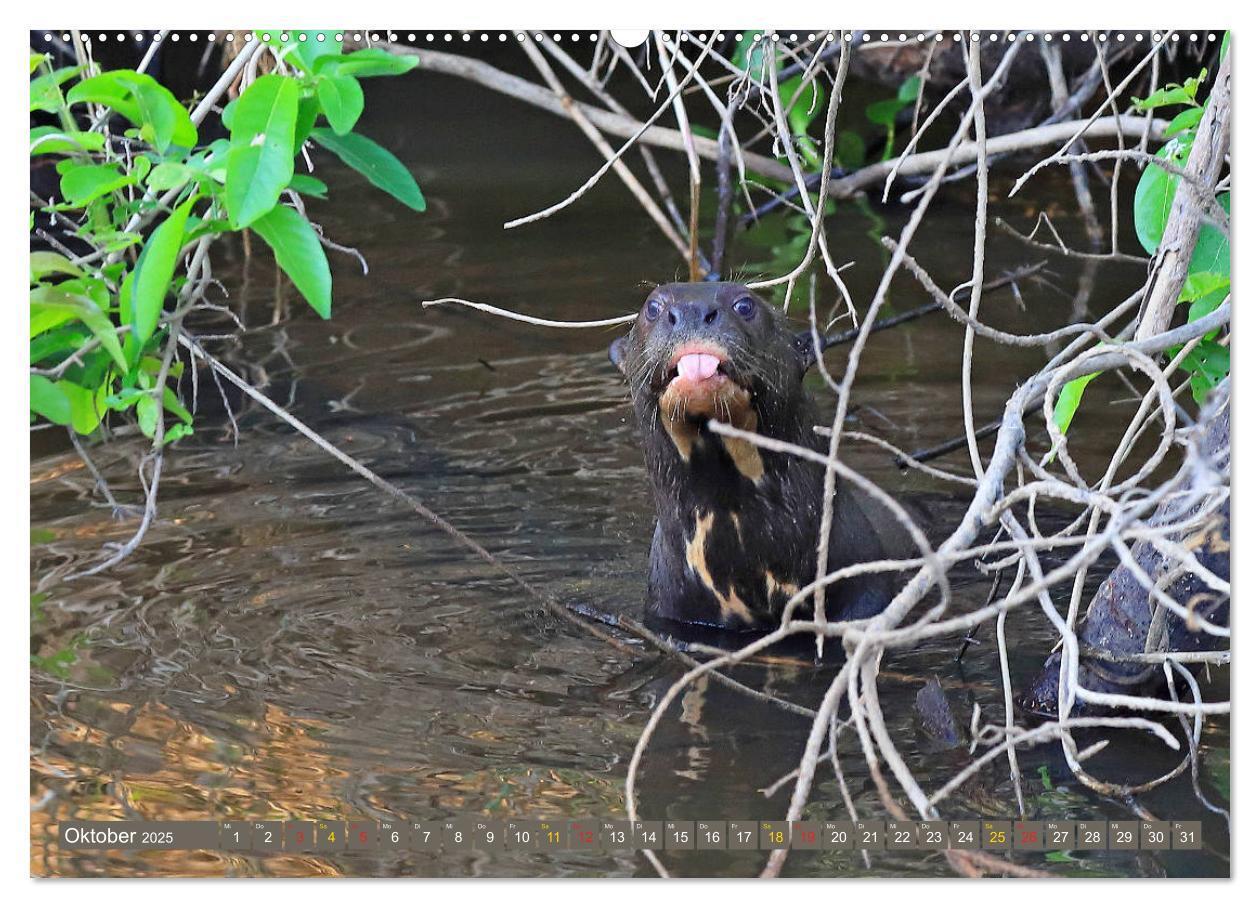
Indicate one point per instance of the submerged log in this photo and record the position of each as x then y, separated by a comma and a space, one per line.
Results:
1125, 628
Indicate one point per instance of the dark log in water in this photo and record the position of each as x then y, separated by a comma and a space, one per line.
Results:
1119, 620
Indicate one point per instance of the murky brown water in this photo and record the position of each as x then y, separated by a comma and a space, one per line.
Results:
289, 644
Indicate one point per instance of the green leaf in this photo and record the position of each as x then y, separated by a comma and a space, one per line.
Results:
57, 343
36, 59
175, 405
49, 401
1153, 198
51, 140
1187, 119
108, 89
341, 97
1208, 365
260, 162
176, 432
370, 61
1070, 400
140, 98
1205, 291
884, 113
299, 253
908, 93
1152, 203
46, 90
168, 175
1201, 284
165, 122
850, 150
85, 182
1211, 251
1173, 93
308, 113
125, 399
53, 306
303, 51
45, 263
153, 273
86, 406
381, 168
308, 185
147, 414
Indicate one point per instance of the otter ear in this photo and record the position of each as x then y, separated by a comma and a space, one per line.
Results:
803, 346
617, 353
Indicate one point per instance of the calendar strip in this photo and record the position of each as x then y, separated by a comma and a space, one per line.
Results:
493, 835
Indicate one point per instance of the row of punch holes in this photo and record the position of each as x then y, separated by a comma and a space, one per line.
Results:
487, 36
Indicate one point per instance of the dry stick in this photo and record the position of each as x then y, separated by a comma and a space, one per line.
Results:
1010, 438
1053, 58
1203, 166
595, 177
971, 57
725, 190
1008, 698
530, 319
1062, 249
1087, 129
1115, 170
917, 134
98, 481
1172, 263
597, 139
628, 127
965, 152
816, 233
1049, 731
594, 87
805, 781
946, 302
693, 160
893, 321
198, 271
785, 140
1193, 733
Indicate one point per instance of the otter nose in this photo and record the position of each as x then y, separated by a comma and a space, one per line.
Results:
692, 315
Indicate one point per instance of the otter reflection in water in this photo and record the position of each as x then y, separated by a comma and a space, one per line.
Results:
737, 526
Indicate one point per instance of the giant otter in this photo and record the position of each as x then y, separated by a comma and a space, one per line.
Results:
737, 526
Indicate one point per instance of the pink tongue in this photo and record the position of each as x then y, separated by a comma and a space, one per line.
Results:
698, 366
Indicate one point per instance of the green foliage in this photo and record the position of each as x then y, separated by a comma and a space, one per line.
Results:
382, 169
1069, 400
260, 155
1208, 278
147, 198
884, 113
160, 119
297, 250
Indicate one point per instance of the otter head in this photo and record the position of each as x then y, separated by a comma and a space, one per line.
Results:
712, 350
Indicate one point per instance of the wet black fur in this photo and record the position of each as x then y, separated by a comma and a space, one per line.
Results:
778, 516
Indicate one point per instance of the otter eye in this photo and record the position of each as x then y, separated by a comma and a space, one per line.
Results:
744, 307
652, 310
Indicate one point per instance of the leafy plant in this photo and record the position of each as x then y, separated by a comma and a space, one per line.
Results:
1208, 279
147, 200
884, 113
